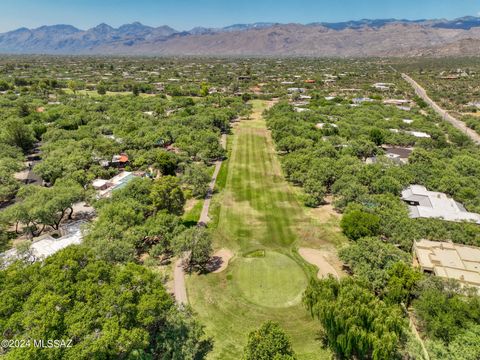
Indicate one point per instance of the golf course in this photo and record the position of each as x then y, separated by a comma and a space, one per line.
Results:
260, 218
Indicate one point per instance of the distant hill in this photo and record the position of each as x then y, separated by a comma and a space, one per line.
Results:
361, 38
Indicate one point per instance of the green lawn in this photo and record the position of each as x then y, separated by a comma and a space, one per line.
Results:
258, 210
192, 216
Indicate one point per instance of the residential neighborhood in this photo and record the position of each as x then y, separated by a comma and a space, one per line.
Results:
223, 181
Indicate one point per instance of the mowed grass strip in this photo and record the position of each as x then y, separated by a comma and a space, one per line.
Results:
258, 208
258, 211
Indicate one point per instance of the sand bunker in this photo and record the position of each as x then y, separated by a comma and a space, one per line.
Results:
221, 259
319, 259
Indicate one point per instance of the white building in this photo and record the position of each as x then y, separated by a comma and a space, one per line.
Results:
429, 204
296, 90
106, 187
300, 109
361, 100
46, 245
382, 86
397, 102
322, 125
398, 155
419, 134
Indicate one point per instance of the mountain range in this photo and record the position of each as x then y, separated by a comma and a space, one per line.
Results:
362, 38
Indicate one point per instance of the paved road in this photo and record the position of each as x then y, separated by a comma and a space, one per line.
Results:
211, 187
206, 204
460, 125
179, 288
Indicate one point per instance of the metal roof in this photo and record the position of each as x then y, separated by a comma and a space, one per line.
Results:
436, 205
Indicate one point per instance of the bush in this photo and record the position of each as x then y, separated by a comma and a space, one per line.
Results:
357, 224
267, 343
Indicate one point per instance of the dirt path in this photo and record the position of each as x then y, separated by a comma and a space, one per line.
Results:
319, 258
179, 289
460, 125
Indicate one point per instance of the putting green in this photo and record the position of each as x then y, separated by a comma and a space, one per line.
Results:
274, 280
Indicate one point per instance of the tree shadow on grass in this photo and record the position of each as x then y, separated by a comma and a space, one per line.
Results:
190, 223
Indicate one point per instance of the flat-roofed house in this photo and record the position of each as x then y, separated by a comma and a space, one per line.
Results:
397, 152
429, 204
47, 245
418, 134
397, 102
105, 188
399, 155
449, 261
296, 90
382, 86
100, 184
361, 100
322, 125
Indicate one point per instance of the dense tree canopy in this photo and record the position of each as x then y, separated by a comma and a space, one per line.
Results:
10, 162
39, 207
166, 194
197, 178
371, 258
197, 244
17, 133
137, 218
120, 311
444, 314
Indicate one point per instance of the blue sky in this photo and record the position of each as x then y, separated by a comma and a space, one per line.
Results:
185, 14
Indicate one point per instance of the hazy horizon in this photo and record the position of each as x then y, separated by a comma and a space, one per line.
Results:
186, 14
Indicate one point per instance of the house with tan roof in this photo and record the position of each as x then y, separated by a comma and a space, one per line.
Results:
449, 261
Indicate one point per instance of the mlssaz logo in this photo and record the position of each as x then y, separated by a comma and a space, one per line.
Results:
52, 343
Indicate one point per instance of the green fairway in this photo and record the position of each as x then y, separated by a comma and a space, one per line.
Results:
262, 221
258, 208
